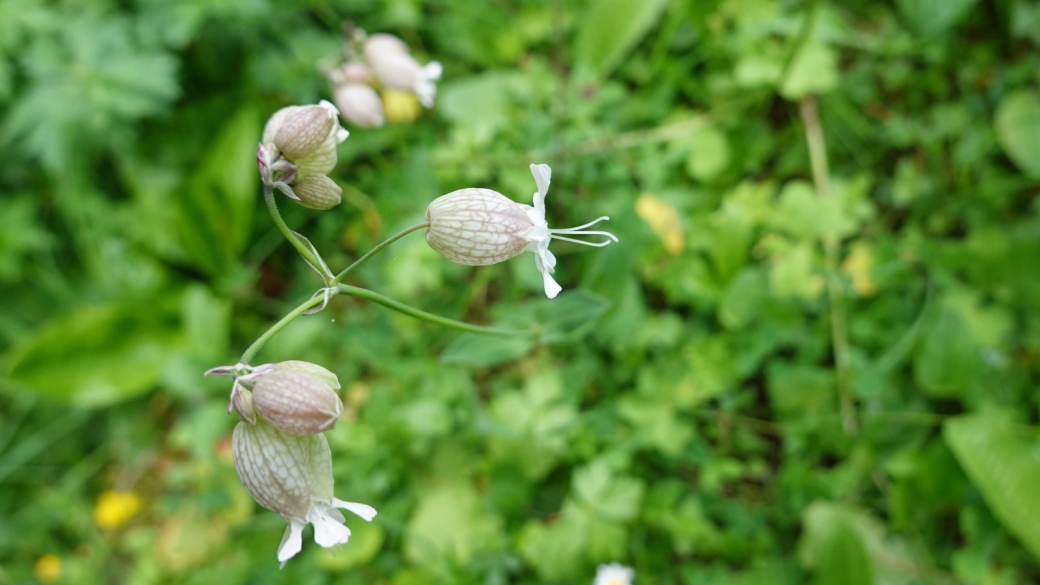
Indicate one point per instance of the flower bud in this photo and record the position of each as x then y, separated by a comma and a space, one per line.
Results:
306, 136
310, 369
359, 105
477, 227
296, 402
318, 192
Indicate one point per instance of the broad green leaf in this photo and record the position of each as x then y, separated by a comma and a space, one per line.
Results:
610, 29
1003, 462
607, 495
555, 549
743, 297
1017, 123
482, 351
218, 200
947, 359
710, 154
207, 322
95, 355
832, 547
449, 526
933, 17
814, 70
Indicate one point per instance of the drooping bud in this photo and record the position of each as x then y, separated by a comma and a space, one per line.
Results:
477, 227
359, 104
311, 369
318, 192
296, 402
303, 130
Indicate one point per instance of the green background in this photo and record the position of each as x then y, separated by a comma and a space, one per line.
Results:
773, 387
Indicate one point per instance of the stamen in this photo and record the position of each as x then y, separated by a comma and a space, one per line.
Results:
584, 243
581, 227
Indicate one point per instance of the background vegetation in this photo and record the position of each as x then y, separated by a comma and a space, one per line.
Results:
792, 373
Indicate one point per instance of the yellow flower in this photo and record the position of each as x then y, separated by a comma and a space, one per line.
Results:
401, 106
47, 568
113, 509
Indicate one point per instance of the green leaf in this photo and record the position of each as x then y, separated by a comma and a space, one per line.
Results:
95, 355
611, 28
933, 17
814, 70
217, 202
569, 316
608, 496
1017, 123
449, 525
482, 351
833, 548
947, 358
1003, 462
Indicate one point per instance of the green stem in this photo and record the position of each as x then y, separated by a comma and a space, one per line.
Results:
260, 341
835, 293
363, 293
377, 249
272, 207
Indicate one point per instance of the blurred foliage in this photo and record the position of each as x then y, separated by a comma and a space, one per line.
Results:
693, 430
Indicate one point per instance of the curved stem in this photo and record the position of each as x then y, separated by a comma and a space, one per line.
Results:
260, 341
379, 248
272, 207
363, 293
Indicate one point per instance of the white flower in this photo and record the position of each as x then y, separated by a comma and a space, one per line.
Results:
292, 475
614, 574
480, 227
395, 68
359, 104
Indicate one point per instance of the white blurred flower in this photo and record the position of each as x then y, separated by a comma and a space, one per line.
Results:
359, 104
395, 68
480, 227
614, 574
292, 475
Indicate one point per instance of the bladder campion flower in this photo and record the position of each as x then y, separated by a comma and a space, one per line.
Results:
298, 149
614, 574
292, 475
480, 227
395, 68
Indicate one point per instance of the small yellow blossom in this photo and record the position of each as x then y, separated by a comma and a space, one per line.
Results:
664, 220
113, 508
401, 106
858, 266
47, 568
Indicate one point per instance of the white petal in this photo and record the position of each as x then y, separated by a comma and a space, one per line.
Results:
292, 540
327, 530
433, 70
552, 288
542, 174
364, 510
545, 261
